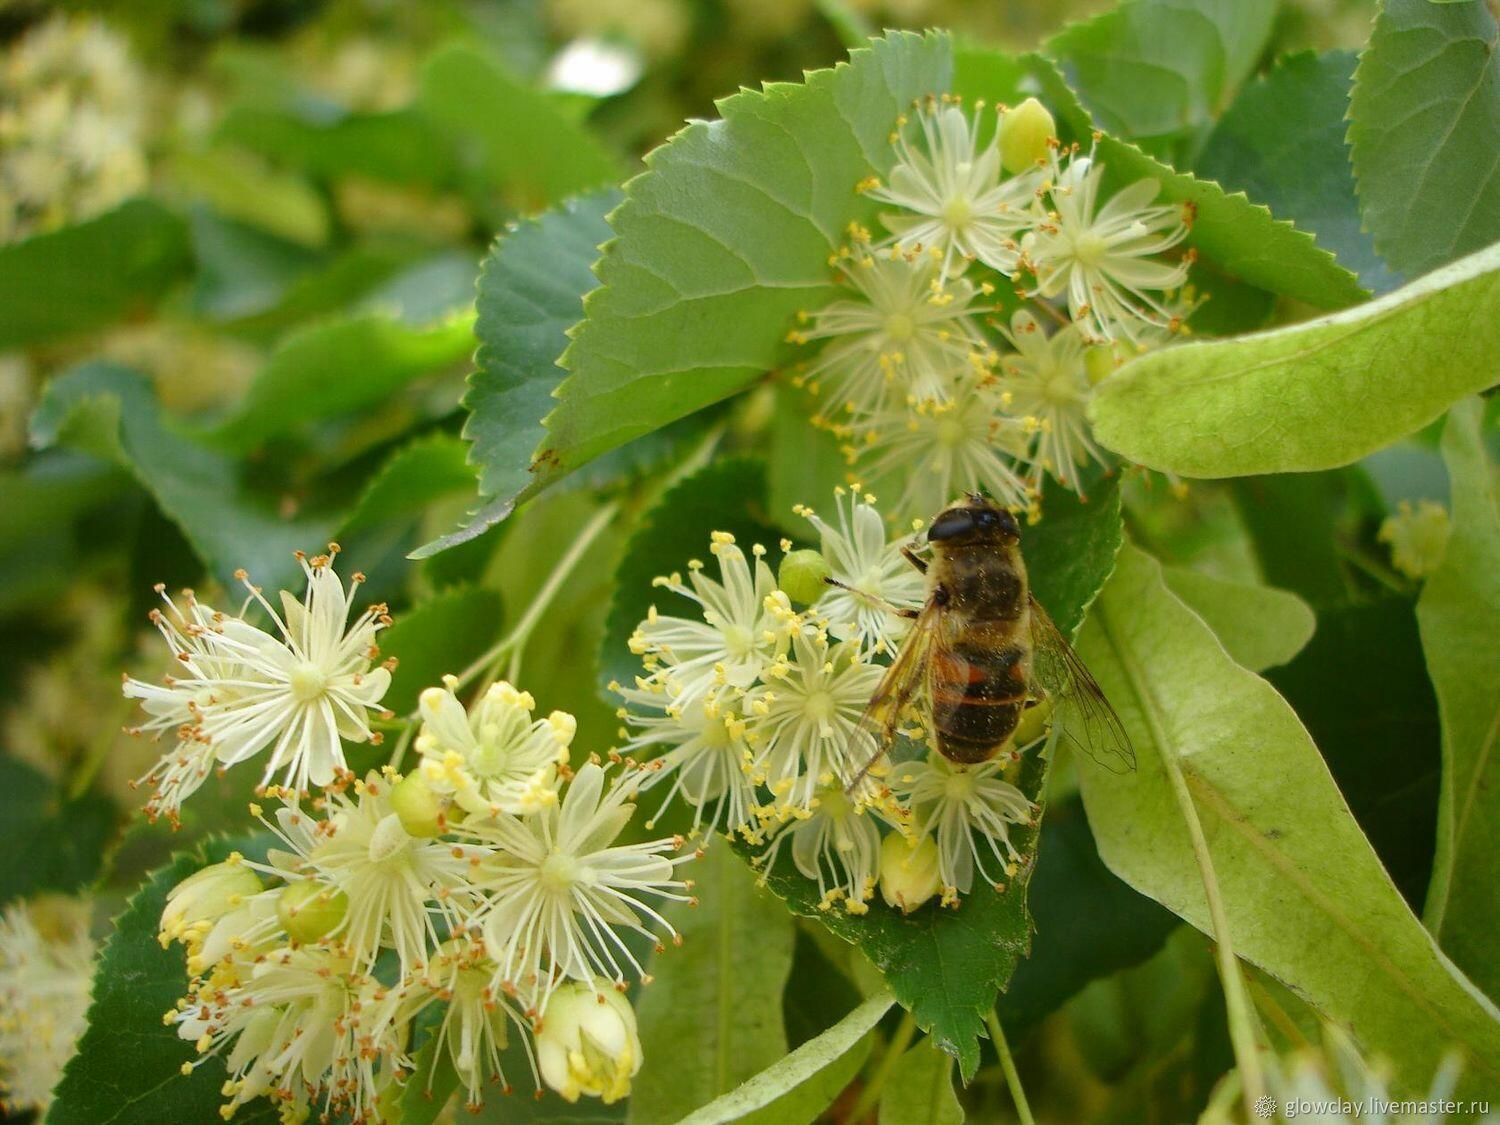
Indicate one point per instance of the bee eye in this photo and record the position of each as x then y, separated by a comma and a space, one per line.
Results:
1007, 523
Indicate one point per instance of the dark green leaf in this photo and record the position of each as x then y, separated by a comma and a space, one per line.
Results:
399, 147
91, 274
803, 464
919, 1089
1425, 132
438, 637
424, 470
51, 843
243, 271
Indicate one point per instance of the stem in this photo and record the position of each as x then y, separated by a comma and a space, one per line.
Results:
869, 1097
852, 28
1237, 1005
1008, 1065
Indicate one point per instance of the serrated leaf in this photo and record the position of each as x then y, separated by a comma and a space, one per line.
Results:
52, 842
531, 291
1159, 71
801, 1086
729, 974
422, 471
1239, 238
438, 637
1259, 626
90, 274
111, 412
919, 1089
724, 237
1459, 614
1282, 144
1316, 395
127, 1070
1424, 132
1305, 896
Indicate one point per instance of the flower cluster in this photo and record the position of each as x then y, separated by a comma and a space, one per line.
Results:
46, 965
752, 713
924, 384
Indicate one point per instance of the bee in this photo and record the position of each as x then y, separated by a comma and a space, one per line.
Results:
982, 650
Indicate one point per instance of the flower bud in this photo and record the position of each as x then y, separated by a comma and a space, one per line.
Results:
908, 871
421, 810
204, 897
587, 1043
801, 575
1418, 537
1024, 132
1099, 363
308, 910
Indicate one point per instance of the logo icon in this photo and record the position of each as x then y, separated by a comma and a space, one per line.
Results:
1265, 1106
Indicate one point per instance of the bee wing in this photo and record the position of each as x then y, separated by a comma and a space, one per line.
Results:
1091, 723
902, 681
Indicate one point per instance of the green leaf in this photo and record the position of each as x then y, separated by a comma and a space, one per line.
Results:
1305, 896
1282, 144
1259, 626
112, 413
240, 187
726, 496
797, 1089
803, 464
1459, 613
51, 842
243, 271
438, 637
398, 147
1315, 395
91, 274
1291, 520
127, 1070
424, 470
712, 1017
432, 1082
919, 1089
1237, 237
1425, 132
339, 367
528, 150
1160, 71
724, 238
530, 293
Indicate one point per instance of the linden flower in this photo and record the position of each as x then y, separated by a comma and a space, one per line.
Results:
807, 719
557, 887
956, 202
708, 758
835, 843
877, 574
962, 806
46, 966
1103, 257
1418, 537
938, 451
493, 758
587, 1042
743, 626
394, 882
903, 335
1047, 383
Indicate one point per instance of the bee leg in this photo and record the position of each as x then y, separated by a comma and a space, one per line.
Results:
899, 611
911, 557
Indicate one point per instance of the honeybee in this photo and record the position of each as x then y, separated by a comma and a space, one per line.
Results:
982, 650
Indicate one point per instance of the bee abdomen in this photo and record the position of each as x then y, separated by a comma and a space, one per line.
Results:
978, 694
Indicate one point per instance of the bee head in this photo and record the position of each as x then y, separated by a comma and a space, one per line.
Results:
974, 519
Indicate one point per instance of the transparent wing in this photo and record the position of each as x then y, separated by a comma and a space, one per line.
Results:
1082, 714
902, 683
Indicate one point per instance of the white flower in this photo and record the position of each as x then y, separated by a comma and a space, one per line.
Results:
197, 905
46, 966
557, 887
860, 557
939, 450
1102, 257
587, 1042
708, 757
962, 806
806, 722
395, 883
957, 203
835, 842
1048, 386
304, 693
744, 624
492, 758
901, 337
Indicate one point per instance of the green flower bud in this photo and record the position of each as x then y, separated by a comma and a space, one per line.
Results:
801, 575
308, 910
1024, 133
908, 871
421, 810
1099, 363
